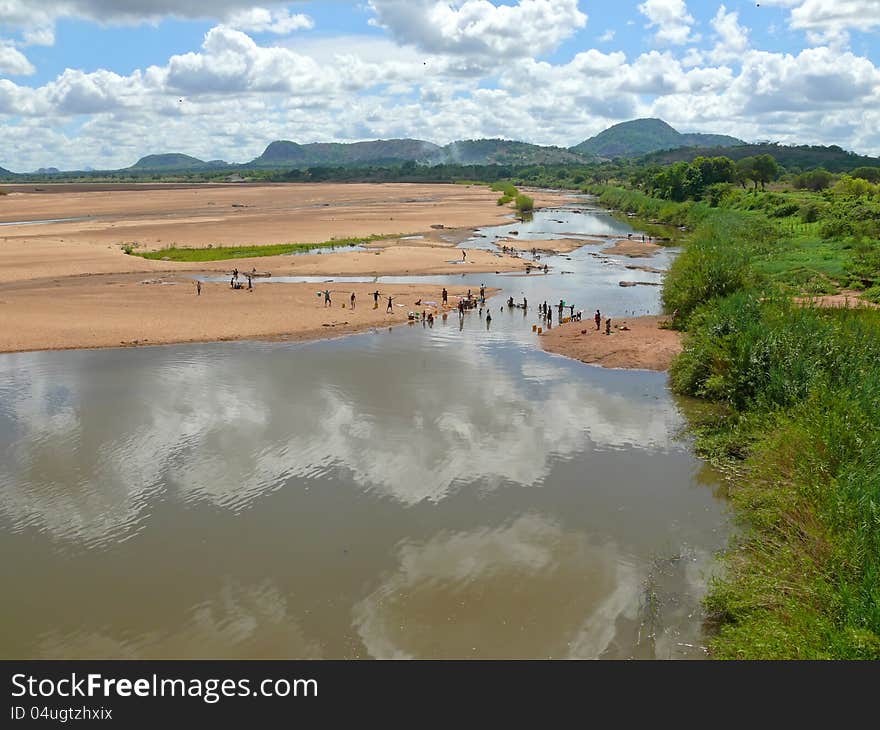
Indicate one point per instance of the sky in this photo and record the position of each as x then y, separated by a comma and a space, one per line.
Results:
100, 83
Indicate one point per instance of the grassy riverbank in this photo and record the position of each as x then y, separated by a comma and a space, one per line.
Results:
800, 394
221, 253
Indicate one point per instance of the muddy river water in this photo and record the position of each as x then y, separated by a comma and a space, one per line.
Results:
445, 492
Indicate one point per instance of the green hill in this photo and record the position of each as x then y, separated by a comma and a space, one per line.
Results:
377, 152
506, 152
174, 161
643, 136
793, 158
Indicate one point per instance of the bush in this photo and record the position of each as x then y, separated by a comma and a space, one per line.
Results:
714, 263
810, 212
524, 203
504, 200
509, 189
784, 210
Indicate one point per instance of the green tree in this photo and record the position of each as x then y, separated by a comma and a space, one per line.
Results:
765, 169
814, 180
745, 171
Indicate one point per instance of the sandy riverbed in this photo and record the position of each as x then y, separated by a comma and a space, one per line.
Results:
643, 346
69, 284
114, 311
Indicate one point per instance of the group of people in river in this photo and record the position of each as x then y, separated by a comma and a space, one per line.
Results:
234, 283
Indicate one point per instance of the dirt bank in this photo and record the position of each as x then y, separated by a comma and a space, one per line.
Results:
642, 345
632, 248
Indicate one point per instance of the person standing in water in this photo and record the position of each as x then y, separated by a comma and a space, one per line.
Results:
597, 318
488, 319
445, 296
352, 300
250, 283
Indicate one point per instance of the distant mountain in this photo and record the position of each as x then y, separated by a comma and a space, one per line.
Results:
378, 152
174, 161
793, 158
4, 172
47, 171
643, 136
506, 152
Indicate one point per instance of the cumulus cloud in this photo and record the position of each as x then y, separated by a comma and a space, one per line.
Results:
671, 19
530, 27
732, 38
242, 93
27, 12
231, 62
13, 61
831, 20
263, 20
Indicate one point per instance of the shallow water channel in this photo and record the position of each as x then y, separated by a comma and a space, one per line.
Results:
417, 492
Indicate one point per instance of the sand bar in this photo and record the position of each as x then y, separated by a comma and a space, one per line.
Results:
118, 311
644, 346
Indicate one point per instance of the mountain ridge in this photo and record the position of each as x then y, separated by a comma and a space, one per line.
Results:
639, 137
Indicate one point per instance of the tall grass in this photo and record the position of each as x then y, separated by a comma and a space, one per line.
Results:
801, 387
222, 253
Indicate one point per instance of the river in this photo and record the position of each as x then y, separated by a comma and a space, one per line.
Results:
445, 492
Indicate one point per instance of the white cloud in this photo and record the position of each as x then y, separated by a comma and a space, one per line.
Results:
607, 36
732, 38
263, 20
830, 21
672, 20
13, 61
528, 28
231, 62
241, 94
37, 36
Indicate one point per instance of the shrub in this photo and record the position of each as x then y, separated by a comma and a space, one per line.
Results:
524, 203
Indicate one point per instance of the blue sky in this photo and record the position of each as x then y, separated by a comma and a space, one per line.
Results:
102, 82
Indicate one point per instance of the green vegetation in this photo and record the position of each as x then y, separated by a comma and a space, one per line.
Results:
220, 253
798, 390
524, 204
509, 189
641, 136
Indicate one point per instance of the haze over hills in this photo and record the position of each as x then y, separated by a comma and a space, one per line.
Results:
653, 139
643, 136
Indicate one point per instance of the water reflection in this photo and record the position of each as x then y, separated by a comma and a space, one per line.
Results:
513, 577
83, 456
